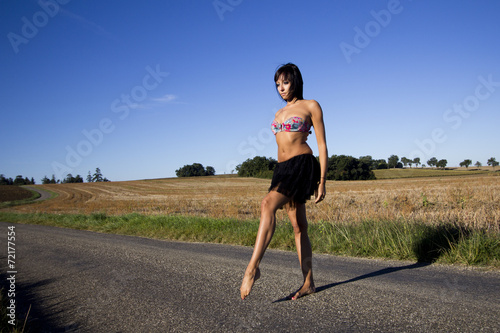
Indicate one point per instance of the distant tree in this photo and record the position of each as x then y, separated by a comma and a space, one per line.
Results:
19, 180
5, 181
392, 161
348, 168
53, 180
442, 164
478, 164
416, 161
466, 163
405, 161
259, 166
210, 171
97, 176
70, 179
432, 162
45, 180
369, 161
374, 164
492, 162
381, 164
194, 170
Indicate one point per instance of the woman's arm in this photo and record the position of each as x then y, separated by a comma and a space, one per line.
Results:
319, 129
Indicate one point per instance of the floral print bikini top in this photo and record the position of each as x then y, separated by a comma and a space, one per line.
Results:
292, 124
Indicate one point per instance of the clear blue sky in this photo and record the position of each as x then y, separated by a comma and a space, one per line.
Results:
140, 89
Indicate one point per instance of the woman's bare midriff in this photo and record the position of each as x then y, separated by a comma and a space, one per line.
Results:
291, 144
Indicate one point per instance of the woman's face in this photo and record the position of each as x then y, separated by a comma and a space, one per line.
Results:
283, 87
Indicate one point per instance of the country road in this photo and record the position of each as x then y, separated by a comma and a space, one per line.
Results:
44, 195
79, 281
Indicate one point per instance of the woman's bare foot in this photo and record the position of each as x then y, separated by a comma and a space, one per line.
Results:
248, 281
303, 291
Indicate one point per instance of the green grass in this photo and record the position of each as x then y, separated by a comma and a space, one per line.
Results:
425, 172
382, 239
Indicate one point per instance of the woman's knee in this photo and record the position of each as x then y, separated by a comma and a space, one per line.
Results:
298, 220
272, 202
266, 206
300, 227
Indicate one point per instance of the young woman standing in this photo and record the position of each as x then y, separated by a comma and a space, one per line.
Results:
297, 176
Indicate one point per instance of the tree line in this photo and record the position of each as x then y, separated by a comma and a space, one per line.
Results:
394, 162
340, 167
343, 167
20, 180
96, 177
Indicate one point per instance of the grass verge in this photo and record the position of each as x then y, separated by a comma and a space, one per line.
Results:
381, 239
426, 172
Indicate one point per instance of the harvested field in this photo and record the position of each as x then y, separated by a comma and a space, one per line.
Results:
471, 201
14, 193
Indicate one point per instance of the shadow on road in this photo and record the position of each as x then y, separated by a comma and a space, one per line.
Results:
373, 274
434, 242
364, 276
29, 309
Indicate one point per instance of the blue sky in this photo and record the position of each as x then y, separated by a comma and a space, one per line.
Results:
140, 89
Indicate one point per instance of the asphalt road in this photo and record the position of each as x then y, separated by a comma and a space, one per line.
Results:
44, 195
78, 281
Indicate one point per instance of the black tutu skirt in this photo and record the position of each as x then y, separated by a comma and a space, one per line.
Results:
297, 178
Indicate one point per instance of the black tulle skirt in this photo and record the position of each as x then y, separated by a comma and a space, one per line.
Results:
297, 178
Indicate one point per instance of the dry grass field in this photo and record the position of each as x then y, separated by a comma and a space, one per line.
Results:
472, 201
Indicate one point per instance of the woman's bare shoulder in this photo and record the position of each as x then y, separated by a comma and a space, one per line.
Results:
313, 106
311, 102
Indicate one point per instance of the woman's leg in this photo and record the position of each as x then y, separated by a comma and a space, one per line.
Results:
270, 204
297, 216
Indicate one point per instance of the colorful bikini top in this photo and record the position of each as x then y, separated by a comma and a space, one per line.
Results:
292, 124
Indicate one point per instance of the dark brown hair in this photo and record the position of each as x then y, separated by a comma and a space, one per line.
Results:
291, 73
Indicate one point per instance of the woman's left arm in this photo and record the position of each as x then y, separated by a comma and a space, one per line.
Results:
319, 129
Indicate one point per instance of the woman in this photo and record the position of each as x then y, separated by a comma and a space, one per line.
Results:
297, 176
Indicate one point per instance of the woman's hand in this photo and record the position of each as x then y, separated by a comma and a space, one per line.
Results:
320, 193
